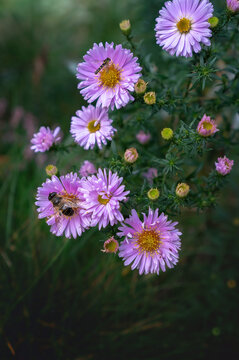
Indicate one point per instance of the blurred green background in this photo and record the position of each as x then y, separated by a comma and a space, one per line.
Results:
66, 299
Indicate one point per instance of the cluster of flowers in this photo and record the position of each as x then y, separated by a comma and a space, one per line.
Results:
72, 204
108, 75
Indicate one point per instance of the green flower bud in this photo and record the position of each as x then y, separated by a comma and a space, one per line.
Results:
150, 98
167, 133
213, 21
125, 27
153, 194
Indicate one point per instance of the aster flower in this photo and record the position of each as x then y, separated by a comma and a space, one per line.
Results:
206, 126
68, 189
87, 168
142, 137
149, 245
224, 165
102, 194
111, 246
44, 139
151, 174
108, 74
92, 126
233, 5
182, 25
131, 155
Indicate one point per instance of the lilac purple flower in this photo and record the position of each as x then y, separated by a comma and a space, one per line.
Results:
112, 84
142, 137
87, 168
151, 174
102, 194
233, 5
68, 187
149, 245
182, 25
224, 165
92, 126
44, 139
206, 126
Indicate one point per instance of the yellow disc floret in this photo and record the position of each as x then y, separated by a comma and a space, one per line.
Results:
102, 200
149, 241
109, 76
184, 25
92, 127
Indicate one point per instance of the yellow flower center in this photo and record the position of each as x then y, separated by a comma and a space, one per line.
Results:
149, 241
109, 76
184, 25
207, 126
92, 128
102, 200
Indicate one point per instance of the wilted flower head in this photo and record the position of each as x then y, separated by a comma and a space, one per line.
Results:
92, 126
102, 195
233, 5
224, 165
111, 246
150, 98
151, 174
153, 194
125, 27
183, 25
142, 137
206, 126
44, 139
150, 245
87, 168
131, 155
51, 170
140, 87
182, 190
167, 133
70, 219
108, 74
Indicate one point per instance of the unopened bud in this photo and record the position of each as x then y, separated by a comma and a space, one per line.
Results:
111, 246
153, 194
140, 87
213, 21
125, 27
167, 133
131, 155
182, 190
51, 170
150, 98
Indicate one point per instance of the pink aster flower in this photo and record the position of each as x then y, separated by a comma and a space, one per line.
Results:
87, 168
182, 25
44, 139
60, 201
108, 74
151, 174
233, 5
103, 193
224, 165
142, 137
92, 126
150, 245
206, 126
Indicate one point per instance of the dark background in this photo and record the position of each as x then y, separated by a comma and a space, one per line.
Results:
66, 299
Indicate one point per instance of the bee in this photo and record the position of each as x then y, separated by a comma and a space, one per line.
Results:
63, 205
104, 63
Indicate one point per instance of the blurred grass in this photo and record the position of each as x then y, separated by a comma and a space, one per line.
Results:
66, 299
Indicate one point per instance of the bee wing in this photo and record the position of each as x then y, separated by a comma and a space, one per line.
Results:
74, 203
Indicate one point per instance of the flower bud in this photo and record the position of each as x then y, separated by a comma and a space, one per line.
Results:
153, 194
131, 155
111, 246
167, 133
150, 98
231, 284
51, 170
182, 190
143, 138
125, 27
233, 5
213, 21
140, 87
